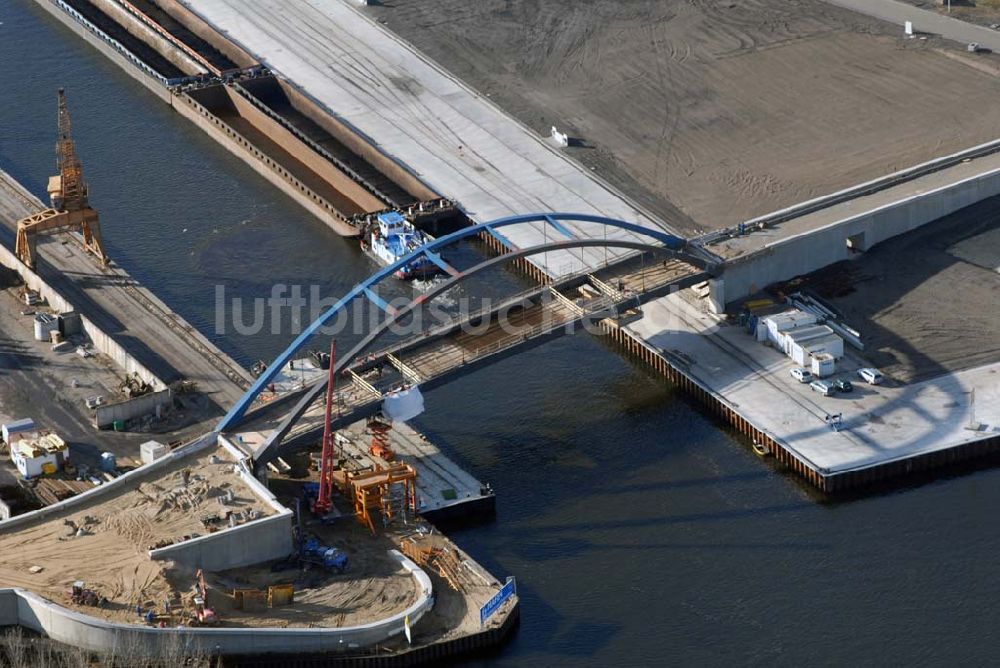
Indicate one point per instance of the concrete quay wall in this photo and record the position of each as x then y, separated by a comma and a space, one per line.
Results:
20, 607
814, 249
102, 341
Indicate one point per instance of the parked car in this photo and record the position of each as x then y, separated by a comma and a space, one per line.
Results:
843, 385
824, 387
802, 375
870, 376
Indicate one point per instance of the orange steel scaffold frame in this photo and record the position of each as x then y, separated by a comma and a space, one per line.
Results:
69, 199
372, 493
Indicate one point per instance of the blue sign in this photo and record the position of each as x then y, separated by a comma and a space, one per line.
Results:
494, 603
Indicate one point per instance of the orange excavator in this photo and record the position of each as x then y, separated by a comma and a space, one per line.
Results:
203, 615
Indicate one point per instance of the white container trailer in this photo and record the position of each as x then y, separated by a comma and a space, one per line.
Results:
804, 343
11, 429
786, 321
150, 451
33, 457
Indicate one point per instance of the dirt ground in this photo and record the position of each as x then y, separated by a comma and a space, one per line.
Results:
925, 302
373, 588
111, 554
711, 112
52, 387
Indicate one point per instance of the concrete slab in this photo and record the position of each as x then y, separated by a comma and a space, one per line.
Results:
459, 143
879, 423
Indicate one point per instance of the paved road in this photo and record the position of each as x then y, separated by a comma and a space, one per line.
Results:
924, 20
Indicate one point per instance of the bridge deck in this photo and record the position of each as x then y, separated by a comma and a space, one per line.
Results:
453, 350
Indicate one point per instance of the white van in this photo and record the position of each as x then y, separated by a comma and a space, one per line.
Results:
870, 376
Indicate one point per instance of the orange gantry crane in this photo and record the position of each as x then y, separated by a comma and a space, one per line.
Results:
70, 210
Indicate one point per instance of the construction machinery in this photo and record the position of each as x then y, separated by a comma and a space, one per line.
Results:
70, 207
80, 595
380, 446
203, 615
133, 386
441, 559
310, 549
324, 501
388, 492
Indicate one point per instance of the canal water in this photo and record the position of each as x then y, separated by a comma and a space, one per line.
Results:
640, 532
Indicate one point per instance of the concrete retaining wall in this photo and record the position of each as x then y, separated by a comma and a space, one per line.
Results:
261, 540
102, 341
18, 606
251, 543
815, 249
132, 408
123, 482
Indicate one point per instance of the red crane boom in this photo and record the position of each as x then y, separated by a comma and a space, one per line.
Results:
328, 459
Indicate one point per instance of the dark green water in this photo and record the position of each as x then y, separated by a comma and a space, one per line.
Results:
639, 531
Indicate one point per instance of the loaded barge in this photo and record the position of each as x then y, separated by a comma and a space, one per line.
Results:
320, 161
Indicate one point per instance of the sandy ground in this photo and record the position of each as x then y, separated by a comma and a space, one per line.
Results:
925, 302
712, 112
111, 557
373, 588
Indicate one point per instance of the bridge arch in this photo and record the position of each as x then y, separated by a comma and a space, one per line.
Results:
660, 241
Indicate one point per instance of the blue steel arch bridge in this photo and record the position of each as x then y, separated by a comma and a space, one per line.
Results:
632, 265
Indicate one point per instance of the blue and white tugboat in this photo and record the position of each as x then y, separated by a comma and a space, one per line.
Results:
393, 237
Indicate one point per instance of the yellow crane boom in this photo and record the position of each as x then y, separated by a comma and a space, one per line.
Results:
70, 209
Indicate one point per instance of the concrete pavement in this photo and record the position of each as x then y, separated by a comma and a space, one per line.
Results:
924, 20
127, 312
880, 423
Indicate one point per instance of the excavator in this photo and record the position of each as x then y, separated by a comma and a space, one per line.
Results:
203, 615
